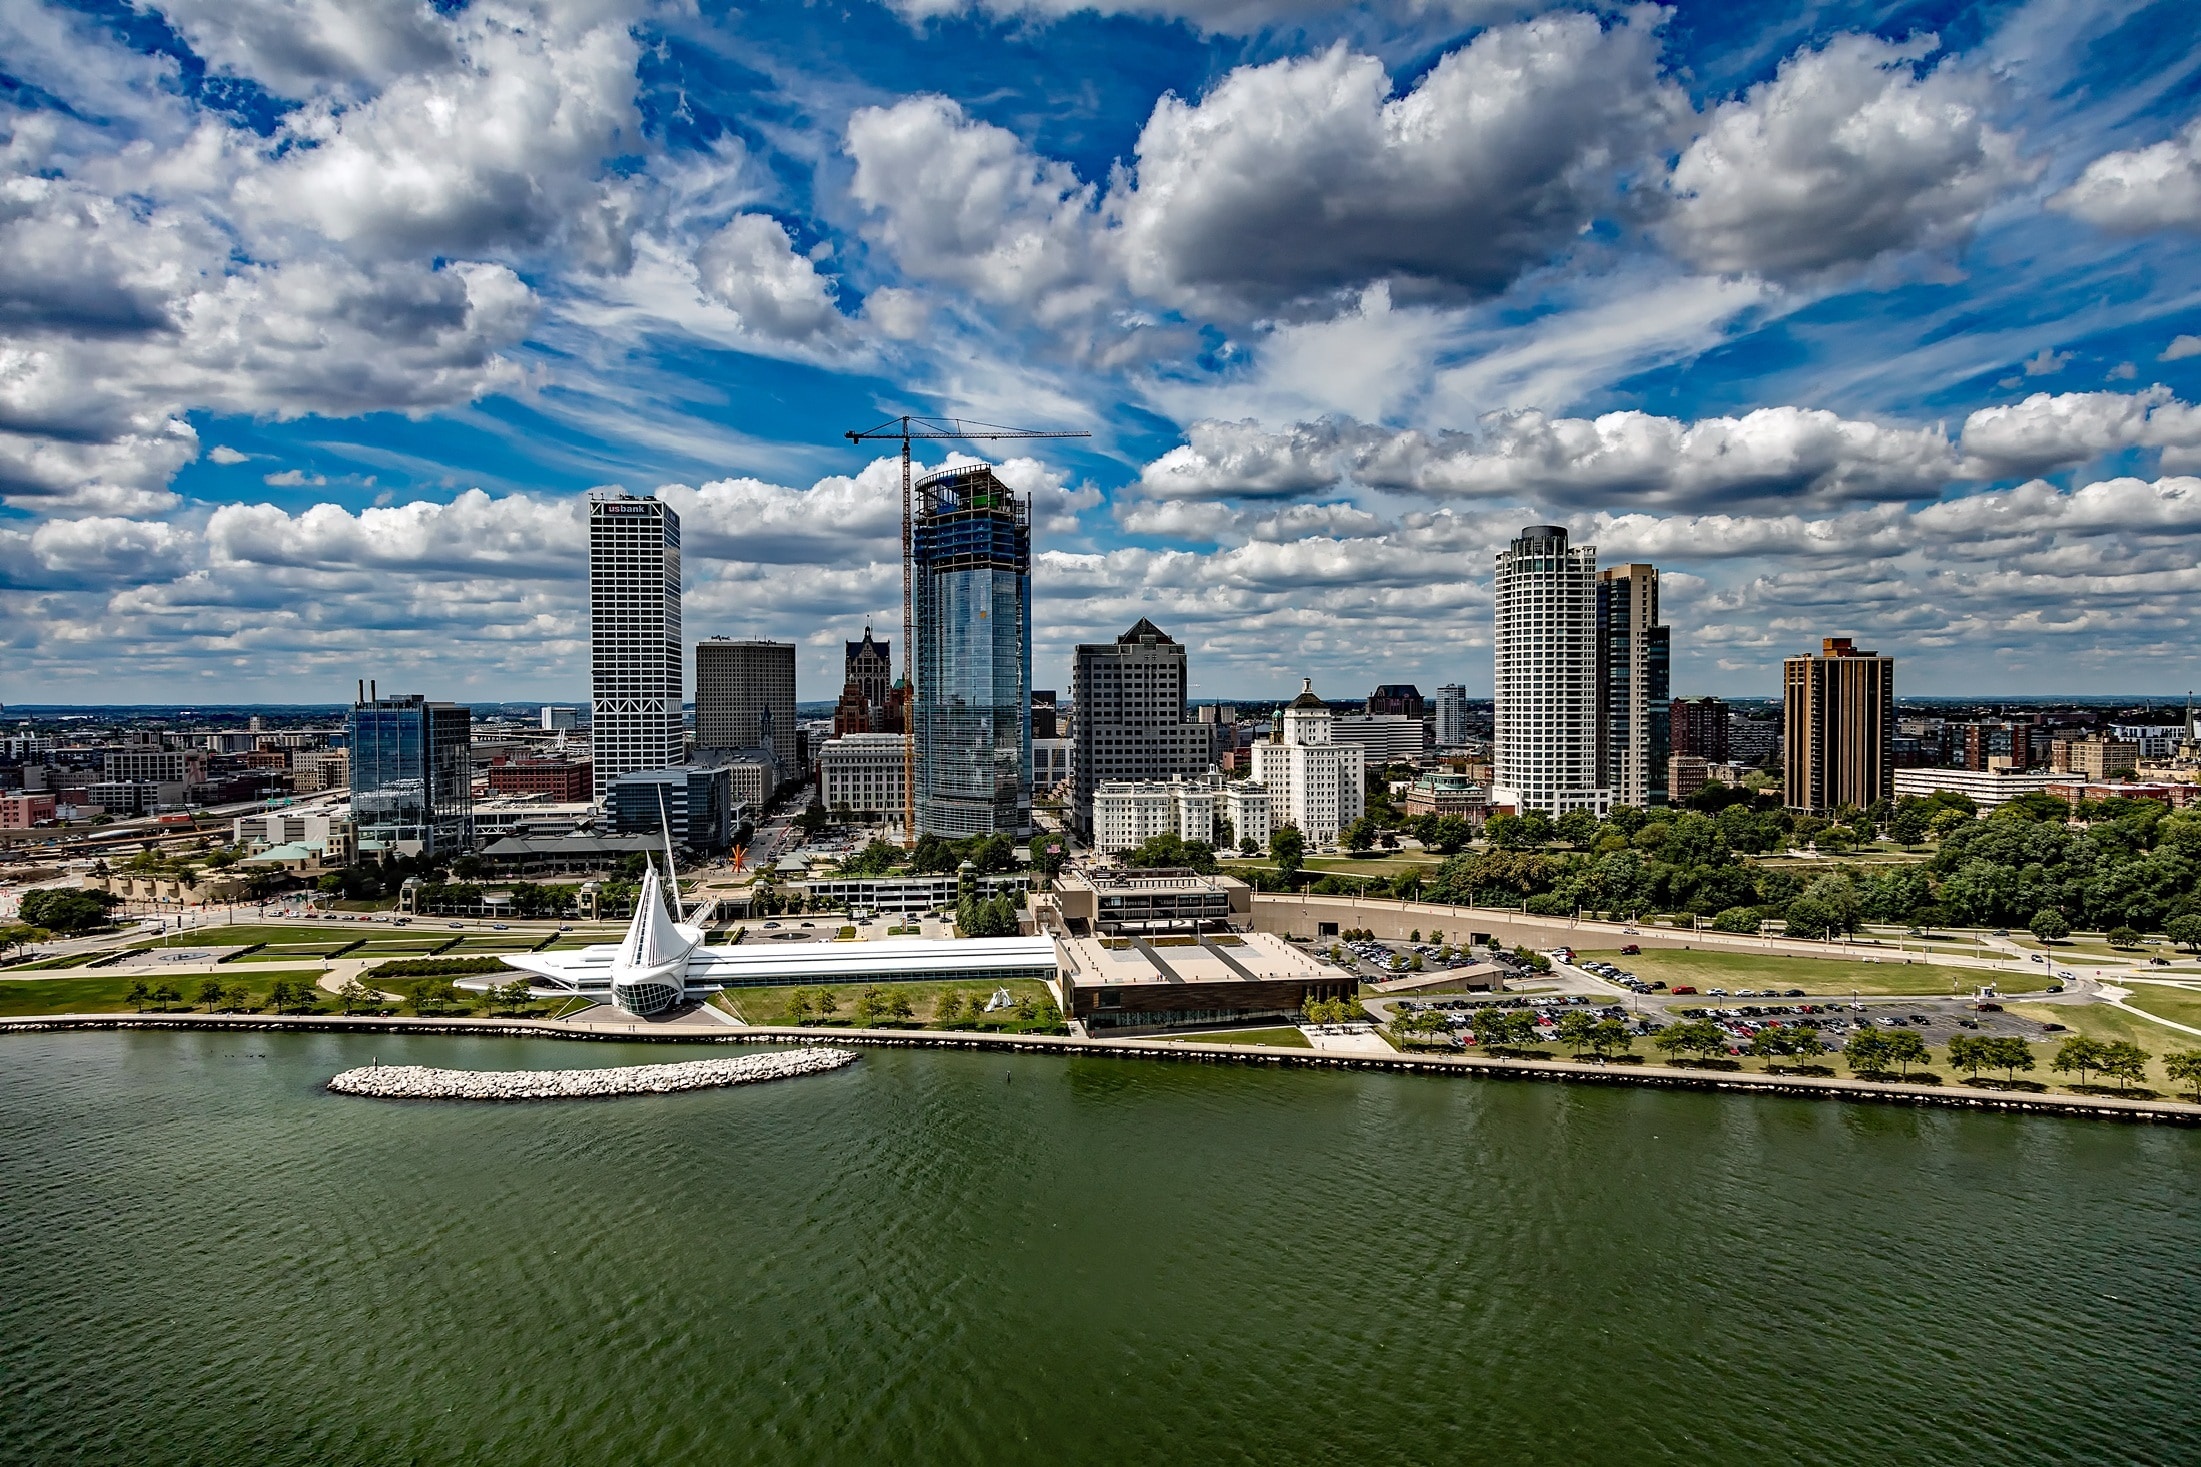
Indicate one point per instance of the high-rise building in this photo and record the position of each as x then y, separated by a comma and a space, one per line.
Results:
1699, 727
557, 720
1838, 728
972, 716
1313, 781
1046, 716
1400, 698
412, 775
1451, 724
1544, 675
868, 667
745, 698
1634, 686
694, 803
1132, 725
635, 644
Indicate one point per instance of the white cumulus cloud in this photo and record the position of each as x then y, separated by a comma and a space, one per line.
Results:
2139, 189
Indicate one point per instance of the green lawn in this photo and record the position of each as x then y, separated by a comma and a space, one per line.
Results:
2179, 1005
1732, 970
2100, 1021
769, 1005
1280, 1038
73, 960
103, 994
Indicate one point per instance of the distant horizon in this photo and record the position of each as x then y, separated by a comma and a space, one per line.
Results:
88, 709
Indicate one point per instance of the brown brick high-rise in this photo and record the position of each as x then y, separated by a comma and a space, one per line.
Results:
1837, 728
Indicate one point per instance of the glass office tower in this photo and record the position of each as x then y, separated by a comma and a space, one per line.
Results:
635, 647
412, 775
972, 552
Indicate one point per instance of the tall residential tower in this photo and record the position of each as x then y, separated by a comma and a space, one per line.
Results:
1634, 686
1544, 676
634, 634
1837, 728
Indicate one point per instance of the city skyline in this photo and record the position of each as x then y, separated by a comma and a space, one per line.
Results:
1854, 322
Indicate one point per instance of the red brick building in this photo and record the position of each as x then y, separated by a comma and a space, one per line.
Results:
567, 781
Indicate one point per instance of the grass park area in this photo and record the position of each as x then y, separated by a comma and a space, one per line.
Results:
107, 994
1278, 1038
1731, 970
2100, 1021
2179, 1005
770, 1005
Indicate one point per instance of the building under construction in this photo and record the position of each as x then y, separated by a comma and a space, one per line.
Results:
971, 571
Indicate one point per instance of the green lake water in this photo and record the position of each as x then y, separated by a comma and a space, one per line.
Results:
947, 1257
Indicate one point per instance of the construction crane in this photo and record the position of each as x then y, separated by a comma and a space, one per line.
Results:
906, 428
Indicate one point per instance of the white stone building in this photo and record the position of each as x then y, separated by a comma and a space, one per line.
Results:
863, 774
1314, 782
1246, 806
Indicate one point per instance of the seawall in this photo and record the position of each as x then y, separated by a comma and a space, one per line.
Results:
2165, 1112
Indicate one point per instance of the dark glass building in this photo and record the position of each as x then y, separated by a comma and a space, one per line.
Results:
412, 775
694, 801
972, 554
1634, 686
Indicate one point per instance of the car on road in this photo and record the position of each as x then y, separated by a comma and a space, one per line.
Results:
1631, 950
499, 927
1681, 988
456, 924
2159, 962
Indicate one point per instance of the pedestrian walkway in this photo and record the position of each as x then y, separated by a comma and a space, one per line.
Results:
1346, 1039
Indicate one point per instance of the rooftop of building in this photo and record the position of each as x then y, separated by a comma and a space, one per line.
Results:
1307, 698
1143, 878
1234, 957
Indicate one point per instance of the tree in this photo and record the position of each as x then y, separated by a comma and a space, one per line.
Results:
2077, 1053
897, 1005
823, 1003
139, 995
2185, 931
2008, 1054
867, 1006
798, 1007
1359, 837
1695, 1036
210, 993
2124, 1062
2184, 1068
1575, 1028
2123, 937
237, 999
1578, 828
165, 995
1609, 1037
20, 935
950, 1008
354, 994
1970, 1053
1288, 848
66, 909
2049, 925
1906, 1048
1867, 1052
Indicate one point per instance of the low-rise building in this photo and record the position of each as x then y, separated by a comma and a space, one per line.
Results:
561, 779
1113, 900
904, 895
2093, 758
864, 776
1120, 985
1246, 807
22, 812
1989, 789
695, 801
1387, 738
1686, 774
151, 764
315, 770
1444, 792
325, 832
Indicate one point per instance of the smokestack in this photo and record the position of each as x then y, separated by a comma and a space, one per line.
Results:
371, 693
362, 690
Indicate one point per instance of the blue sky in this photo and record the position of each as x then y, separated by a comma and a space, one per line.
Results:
318, 317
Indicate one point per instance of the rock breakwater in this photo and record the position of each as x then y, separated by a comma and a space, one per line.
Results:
419, 1082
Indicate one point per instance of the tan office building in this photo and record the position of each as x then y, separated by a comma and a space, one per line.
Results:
1837, 728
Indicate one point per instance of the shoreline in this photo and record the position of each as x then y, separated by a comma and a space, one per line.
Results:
1959, 1097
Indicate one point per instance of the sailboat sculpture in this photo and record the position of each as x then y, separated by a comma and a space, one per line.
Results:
644, 973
